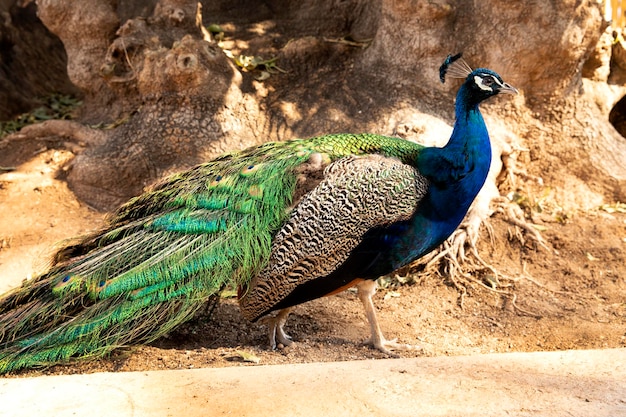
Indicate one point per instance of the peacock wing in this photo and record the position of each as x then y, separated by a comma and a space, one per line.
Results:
357, 194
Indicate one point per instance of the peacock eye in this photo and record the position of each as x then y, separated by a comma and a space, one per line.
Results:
488, 81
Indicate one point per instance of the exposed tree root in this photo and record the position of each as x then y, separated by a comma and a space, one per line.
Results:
514, 215
460, 263
74, 135
458, 259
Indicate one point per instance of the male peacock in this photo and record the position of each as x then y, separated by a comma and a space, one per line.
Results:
284, 222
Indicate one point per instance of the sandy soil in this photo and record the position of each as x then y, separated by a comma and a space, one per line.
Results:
575, 292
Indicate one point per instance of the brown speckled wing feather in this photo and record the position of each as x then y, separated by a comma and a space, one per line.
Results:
355, 195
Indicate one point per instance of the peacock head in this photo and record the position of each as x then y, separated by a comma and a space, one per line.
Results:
480, 84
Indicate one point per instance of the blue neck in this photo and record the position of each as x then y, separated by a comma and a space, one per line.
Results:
456, 173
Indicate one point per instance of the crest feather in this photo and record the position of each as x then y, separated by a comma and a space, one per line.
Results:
455, 67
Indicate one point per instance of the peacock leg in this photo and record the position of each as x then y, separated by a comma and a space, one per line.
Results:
276, 330
366, 289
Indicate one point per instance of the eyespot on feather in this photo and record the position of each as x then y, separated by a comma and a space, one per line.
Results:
250, 169
221, 181
100, 286
244, 207
216, 181
255, 191
66, 282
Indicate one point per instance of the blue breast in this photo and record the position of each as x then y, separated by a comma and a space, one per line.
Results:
456, 173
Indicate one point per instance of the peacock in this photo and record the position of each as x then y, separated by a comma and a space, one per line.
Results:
283, 223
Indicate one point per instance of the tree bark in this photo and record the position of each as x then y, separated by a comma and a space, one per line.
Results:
32, 60
86, 32
174, 98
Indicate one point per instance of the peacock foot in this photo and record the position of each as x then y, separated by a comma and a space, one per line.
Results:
276, 332
388, 346
365, 291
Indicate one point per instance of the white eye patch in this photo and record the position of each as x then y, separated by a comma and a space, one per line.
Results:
486, 82
480, 83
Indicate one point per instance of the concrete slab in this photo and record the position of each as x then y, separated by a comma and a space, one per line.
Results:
569, 383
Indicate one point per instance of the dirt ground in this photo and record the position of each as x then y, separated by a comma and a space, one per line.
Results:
574, 294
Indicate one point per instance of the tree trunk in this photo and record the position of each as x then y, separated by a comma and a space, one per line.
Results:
32, 61
173, 98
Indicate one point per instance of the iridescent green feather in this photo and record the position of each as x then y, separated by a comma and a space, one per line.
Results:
165, 253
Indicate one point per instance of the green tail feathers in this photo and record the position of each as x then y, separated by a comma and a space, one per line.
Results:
165, 253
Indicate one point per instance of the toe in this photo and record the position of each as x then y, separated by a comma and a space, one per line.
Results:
388, 346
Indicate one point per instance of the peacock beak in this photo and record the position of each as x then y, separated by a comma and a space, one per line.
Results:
508, 89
